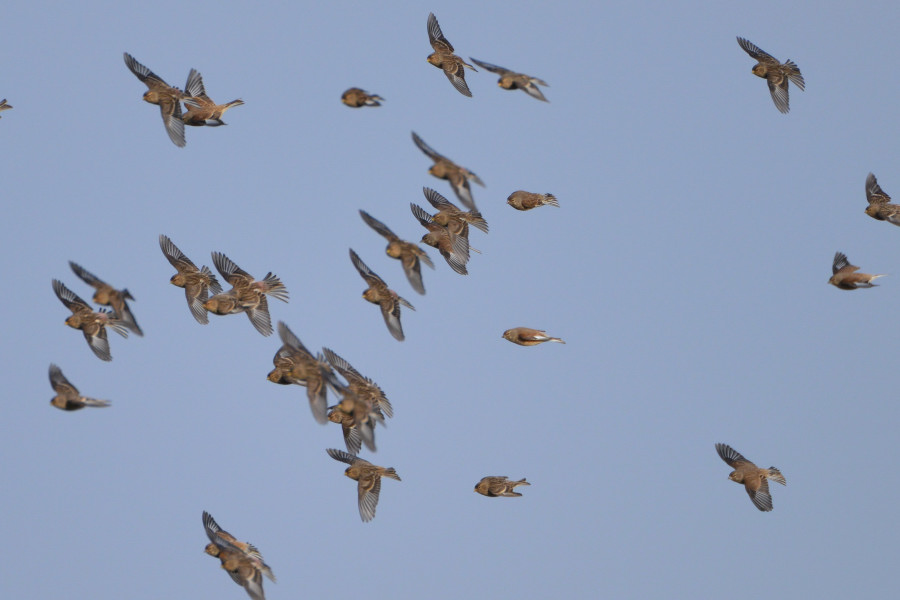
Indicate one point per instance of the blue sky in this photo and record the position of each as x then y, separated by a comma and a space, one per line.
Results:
686, 269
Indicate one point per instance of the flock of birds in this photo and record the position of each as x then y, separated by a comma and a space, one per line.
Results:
361, 403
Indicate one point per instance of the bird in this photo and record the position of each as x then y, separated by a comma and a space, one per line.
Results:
161, 93
197, 283
845, 276
775, 73
457, 176
246, 294
379, 293
4, 105
67, 396
444, 59
242, 560
522, 200
358, 384
525, 336
510, 80
880, 206
410, 255
368, 478
200, 109
454, 248
755, 480
107, 295
450, 216
355, 98
495, 486
352, 434
92, 324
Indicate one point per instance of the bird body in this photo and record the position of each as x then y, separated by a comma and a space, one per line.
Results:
510, 80
880, 207
845, 276
368, 478
294, 364
410, 255
754, 479
247, 295
201, 110
107, 295
357, 98
522, 200
197, 283
443, 58
525, 336
92, 324
379, 293
494, 486
776, 74
457, 176
168, 99
67, 396
242, 560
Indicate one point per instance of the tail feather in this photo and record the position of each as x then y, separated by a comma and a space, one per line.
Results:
391, 473
775, 475
793, 73
551, 200
95, 402
272, 286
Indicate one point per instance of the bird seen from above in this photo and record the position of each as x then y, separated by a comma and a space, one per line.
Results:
67, 396
444, 59
452, 217
522, 200
510, 80
495, 486
242, 560
4, 105
845, 275
880, 206
525, 336
92, 324
168, 99
107, 295
754, 479
246, 294
775, 73
454, 248
379, 293
356, 98
410, 255
368, 478
457, 176
197, 283
200, 109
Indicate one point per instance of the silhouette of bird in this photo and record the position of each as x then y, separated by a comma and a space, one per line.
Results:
754, 479
510, 80
67, 395
775, 73
444, 59
168, 99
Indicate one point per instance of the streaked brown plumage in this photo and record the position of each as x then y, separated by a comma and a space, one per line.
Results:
243, 561
246, 295
201, 110
510, 80
775, 73
197, 283
368, 478
92, 324
362, 405
355, 98
222, 539
409, 254
4, 105
452, 217
379, 293
880, 206
67, 396
754, 479
457, 176
522, 200
525, 336
168, 99
494, 486
454, 248
359, 384
107, 295
444, 59
845, 276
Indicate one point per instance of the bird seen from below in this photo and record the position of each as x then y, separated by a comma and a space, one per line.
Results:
775, 73
67, 396
197, 283
92, 324
410, 255
168, 99
443, 58
368, 478
754, 479
107, 295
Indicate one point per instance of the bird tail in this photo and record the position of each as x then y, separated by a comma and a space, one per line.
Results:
793, 72
228, 105
553, 339
374, 100
551, 200
272, 286
775, 475
95, 402
391, 473
477, 221
127, 294
519, 482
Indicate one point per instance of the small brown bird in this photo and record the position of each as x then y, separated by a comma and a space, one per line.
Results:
450, 216
454, 248
294, 364
754, 479
352, 434
107, 295
368, 478
67, 396
775, 73
443, 57
360, 385
197, 283
92, 324
845, 276
200, 109
355, 98
510, 80
409, 254
525, 336
242, 560
161, 93
4, 105
522, 200
246, 294
880, 206
379, 293
444, 168
499, 485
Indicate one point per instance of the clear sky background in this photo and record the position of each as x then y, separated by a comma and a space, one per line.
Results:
686, 269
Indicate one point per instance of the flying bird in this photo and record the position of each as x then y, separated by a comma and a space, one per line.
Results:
495, 486
379, 293
4, 105
522, 200
754, 479
161, 93
355, 98
457, 176
359, 384
200, 109
92, 324
197, 283
444, 59
67, 396
775, 73
454, 248
845, 276
242, 560
525, 336
107, 295
880, 206
510, 80
368, 478
410, 255
246, 294
450, 216
294, 364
